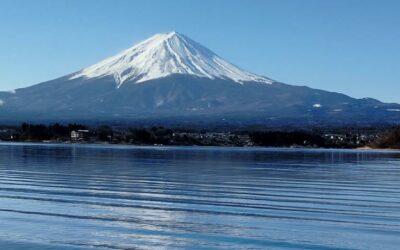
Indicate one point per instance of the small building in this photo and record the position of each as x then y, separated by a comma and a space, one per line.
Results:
7, 134
80, 135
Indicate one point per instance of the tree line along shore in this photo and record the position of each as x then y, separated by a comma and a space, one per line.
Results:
343, 137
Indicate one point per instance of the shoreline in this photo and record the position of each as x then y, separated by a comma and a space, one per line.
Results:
364, 148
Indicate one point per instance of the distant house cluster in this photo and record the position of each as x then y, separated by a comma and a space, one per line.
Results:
80, 135
349, 139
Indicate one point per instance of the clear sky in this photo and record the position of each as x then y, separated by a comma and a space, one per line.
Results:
348, 46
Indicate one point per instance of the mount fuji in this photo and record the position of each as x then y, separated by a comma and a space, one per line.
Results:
163, 55
170, 77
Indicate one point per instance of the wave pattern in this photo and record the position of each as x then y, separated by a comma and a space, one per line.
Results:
124, 197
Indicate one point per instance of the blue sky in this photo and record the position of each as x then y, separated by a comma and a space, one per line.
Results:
348, 46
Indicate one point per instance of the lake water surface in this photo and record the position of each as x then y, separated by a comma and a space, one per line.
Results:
125, 197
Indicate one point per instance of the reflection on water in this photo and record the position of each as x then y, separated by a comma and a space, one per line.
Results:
124, 197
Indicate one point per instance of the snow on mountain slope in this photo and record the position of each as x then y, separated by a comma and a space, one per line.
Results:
165, 54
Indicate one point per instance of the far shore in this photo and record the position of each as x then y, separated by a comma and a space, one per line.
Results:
358, 138
364, 148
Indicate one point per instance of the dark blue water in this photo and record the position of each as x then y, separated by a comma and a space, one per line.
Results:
124, 197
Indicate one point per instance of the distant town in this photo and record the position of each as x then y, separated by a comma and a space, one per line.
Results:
315, 138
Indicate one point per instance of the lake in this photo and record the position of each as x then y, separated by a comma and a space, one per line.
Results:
128, 197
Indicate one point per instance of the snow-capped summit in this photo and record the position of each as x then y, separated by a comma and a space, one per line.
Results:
165, 54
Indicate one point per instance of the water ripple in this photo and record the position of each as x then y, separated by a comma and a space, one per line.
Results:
122, 197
